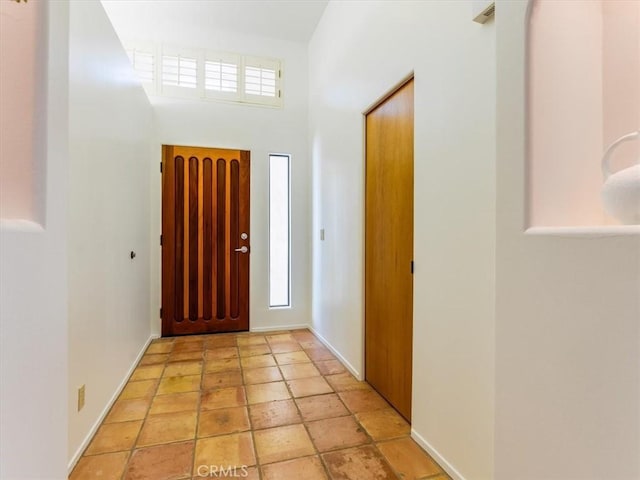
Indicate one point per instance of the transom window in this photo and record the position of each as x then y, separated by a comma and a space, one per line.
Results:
196, 73
221, 76
143, 63
260, 81
179, 71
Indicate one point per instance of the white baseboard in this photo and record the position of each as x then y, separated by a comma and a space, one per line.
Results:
103, 414
344, 361
275, 328
453, 473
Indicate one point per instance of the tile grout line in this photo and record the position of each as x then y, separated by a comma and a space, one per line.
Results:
246, 397
195, 439
353, 415
198, 405
144, 420
292, 398
277, 365
205, 372
166, 364
304, 422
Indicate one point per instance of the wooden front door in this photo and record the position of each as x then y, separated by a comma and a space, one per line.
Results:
205, 240
389, 248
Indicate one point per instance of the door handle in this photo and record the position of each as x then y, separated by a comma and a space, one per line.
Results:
242, 249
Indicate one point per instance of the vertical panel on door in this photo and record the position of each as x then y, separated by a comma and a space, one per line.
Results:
179, 237
221, 222
207, 240
192, 286
205, 272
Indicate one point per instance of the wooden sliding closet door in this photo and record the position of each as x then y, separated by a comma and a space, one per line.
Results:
389, 248
205, 240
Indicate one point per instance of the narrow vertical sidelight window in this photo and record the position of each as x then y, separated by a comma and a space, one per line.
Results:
279, 231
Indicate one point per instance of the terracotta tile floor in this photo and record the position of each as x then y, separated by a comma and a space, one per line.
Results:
275, 406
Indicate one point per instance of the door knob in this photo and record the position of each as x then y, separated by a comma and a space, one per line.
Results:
242, 249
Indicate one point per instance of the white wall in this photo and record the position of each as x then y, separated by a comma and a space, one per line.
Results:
110, 132
33, 294
260, 130
358, 53
568, 321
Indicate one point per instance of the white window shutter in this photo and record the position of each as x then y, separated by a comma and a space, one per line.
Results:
180, 72
196, 73
222, 75
143, 64
262, 79
143, 60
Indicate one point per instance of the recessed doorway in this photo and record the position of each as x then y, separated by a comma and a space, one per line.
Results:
205, 240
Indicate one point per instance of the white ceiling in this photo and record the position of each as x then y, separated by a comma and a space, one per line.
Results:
292, 20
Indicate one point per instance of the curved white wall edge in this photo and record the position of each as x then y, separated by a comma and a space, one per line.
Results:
20, 225
595, 231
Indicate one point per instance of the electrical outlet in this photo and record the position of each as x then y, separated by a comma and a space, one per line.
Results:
81, 397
